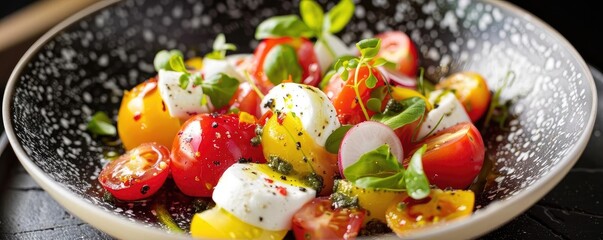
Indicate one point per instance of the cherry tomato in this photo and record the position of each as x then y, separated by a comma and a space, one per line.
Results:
440, 206
318, 220
305, 55
137, 174
454, 156
144, 118
471, 90
247, 100
343, 95
398, 48
206, 146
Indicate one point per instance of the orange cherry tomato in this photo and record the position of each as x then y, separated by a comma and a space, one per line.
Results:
470, 89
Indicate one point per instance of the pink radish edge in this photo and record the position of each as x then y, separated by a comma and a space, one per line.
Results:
365, 137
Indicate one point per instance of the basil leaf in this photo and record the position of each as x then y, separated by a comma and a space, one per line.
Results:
334, 140
162, 59
394, 182
220, 88
283, 26
312, 14
374, 105
413, 107
281, 63
176, 64
101, 124
339, 16
417, 184
377, 163
369, 48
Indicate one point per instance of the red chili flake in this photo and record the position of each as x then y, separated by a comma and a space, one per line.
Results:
280, 118
268, 180
163, 105
137, 116
281, 190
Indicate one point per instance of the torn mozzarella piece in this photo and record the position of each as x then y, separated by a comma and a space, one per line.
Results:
315, 111
181, 103
325, 57
213, 66
447, 108
260, 197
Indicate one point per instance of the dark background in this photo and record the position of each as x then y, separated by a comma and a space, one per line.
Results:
568, 212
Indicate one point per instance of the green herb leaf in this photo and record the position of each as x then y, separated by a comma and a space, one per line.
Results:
312, 14
164, 217
380, 92
344, 73
353, 63
413, 107
283, 26
334, 140
379, 163
383, 62
417, 184
101, 124
281, 63
220, 88
369, 48
183, 80
371, 81
176, 64
374, 105
394, 182
220, 47
162, 59
339, 16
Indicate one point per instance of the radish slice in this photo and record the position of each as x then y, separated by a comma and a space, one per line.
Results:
365, 137
397, 79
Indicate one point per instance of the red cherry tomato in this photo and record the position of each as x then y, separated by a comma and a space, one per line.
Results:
398, 48
137, 174
318, 220
343, 96
305, 56
206, 146
247, 100
454, 156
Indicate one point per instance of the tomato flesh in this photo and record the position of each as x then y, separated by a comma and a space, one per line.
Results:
138, 173
318, 220
305, 54
454, 156
206, 146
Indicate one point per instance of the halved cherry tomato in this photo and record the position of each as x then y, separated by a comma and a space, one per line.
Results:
439, 207
206, 146
144, 118
305, 56
343, 96
454, 156
137, 174
470, 89
398, 48
318, 220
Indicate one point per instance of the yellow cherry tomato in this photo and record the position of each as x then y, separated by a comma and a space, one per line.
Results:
374, 201
195, 63
439, 207
144, 118
217, 223
470, 89
284, 137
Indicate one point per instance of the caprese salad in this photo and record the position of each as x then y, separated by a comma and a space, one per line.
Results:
307, 136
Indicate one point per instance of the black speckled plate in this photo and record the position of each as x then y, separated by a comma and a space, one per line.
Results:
84, 64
